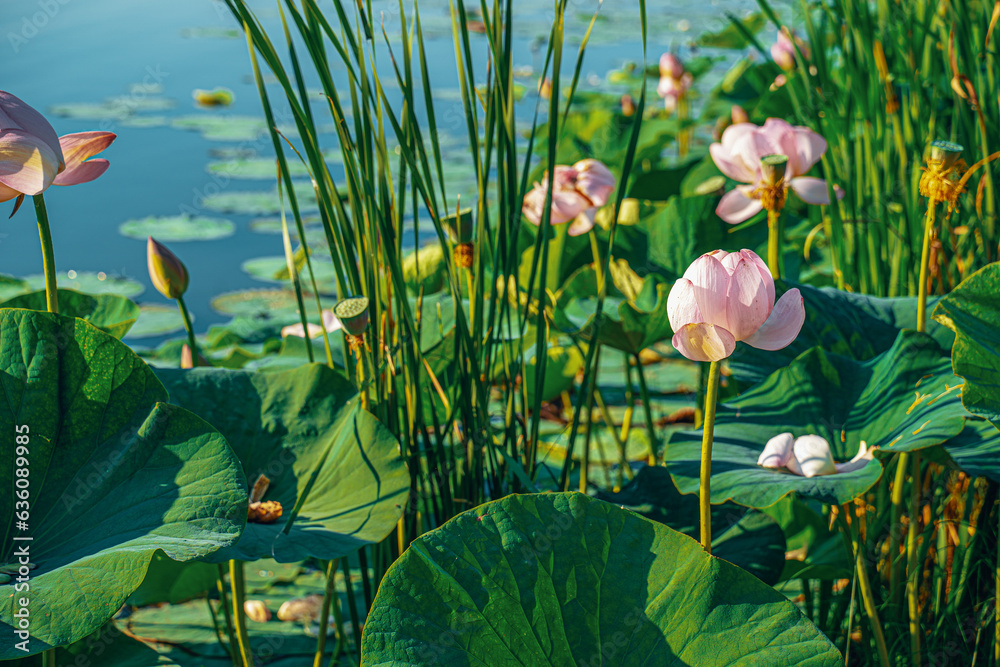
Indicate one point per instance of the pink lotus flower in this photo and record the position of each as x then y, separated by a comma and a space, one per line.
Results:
738, 157
577, 194
675, 81
783, 50
330, 323
726, 297
32, 157
809, 456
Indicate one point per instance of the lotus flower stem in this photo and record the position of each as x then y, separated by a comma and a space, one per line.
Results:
238, 587
49, 658
48, 256
352, 606
190, 330
896, 565
708, 432
215, 625
227, 612
912, 573
867, 594
324, 614
774, 259
924, 268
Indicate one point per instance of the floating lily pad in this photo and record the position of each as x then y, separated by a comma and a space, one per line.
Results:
562, 579
156, 320
125, 475
561, 368
91, 282
903, 400
211, 32
111, 313
305, 430
259, 202
178, 228
222, 127
113, 109
972, 311
275, 270
11, 287
258, 303
273, 225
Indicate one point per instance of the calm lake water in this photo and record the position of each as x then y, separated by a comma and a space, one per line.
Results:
135, 64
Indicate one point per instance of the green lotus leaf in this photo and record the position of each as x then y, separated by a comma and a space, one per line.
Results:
563, 579
263, 304
731, 37
91, 282
178, 228
561, 368
903, 400
115, 476
110, 313
275, 270
972, 311
155, 320
426, 268
746, 538
169, 581
976, 450
635, 309
856, 326
306, 431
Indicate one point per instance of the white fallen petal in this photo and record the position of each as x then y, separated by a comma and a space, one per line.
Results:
777, 451
811, 457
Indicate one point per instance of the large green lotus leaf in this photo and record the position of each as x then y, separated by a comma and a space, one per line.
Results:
299, 427
635, 309
976, 450
108, 312
169, 581
903, 400
856, 326
561, 368
563, 579
746, 538
972, 311
116, 475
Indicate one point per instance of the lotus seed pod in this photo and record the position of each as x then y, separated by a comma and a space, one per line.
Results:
353, 314
256, 611
946, 153
773, 168
460, 226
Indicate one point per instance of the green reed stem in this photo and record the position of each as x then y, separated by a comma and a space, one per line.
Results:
237, 585
49, 658
352, 607
867, 593
647, 409
896, 564
912, 565
708, 432
924, 268
329, 592
228, 614
48, 255
190, 330
774, 243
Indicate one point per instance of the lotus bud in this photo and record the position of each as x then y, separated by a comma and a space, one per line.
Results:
167, 272
257, 611
739, 115
301, 609
671, 65
545, 88
628, 106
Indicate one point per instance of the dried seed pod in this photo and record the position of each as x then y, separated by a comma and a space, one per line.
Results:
256, 610
259, 488
266, 512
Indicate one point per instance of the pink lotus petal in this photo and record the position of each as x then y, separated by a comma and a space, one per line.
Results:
735, 206
811, 457
777, 451
682, 306
747, 306
6, 194
78, 148
671, 65
811, 190
704, 342
765, 273
783, 325
860, 459
15, 114
809, 148
582, 223
594, 181
27, 163
730, 165
710, 284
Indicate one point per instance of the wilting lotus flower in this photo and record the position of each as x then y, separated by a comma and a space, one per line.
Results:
725, 297
168, 273
330, 323
578, 192
674, 81
809, 456
783, 50
33, 157
739, 155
